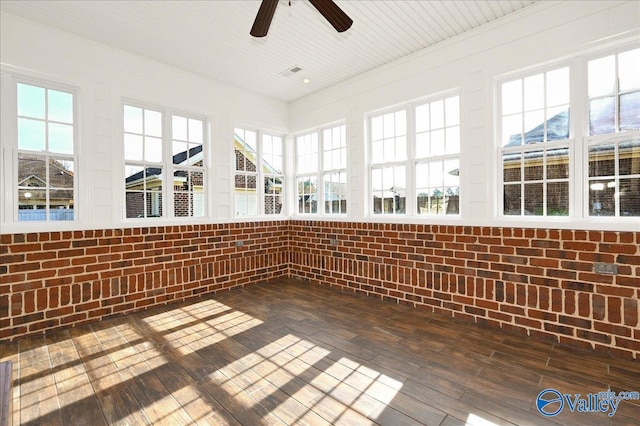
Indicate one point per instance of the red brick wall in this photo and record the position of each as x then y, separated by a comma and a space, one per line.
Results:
53, 279
533, 281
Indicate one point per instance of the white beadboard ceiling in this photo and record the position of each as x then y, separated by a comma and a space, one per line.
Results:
211, 38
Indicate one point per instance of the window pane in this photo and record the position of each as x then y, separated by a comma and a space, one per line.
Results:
422, 145
246, 195
602, 76
60, 106
558, 163
389, 127
133, 147
389, 190
32, 171
451, 173
61, 138
335, 193
558, 87
182, 202
132, 119
134, 204
534, 92
452, 111
377, 152
601, 198
196, 130
154, 203
453, 140
629, 70
630, 111
512, 199
558, 199
437, 114
179, 127
153, 178
152, 123
512, 130
558, 123
32, 204
153, 149
31, 101
533, 200
401, 123
602, 160
533, 166
512, 97
61, 174
273, 195
31, 135
602, 116
307, 195
629, 158
630, 197
179, 152
376, 128
61, 204
437, 142
534, 126
422, 118
512, 171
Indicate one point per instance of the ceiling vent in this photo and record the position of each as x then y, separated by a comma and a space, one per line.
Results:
290, 71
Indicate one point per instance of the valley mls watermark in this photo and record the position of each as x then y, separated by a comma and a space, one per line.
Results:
550, 402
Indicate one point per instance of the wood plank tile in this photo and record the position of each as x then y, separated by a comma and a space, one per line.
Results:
288, 352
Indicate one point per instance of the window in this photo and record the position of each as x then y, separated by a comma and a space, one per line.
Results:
437, 152
416, 150
46, 131
334, 167
388, 157
143, 162
613, 153
307, 172
146, 145
322, 157
535, 144
273, 169
188, 166
249, 154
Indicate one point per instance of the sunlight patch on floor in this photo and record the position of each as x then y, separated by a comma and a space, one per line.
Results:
475, 420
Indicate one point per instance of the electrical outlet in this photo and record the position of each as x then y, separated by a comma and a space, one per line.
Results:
605, 268
239, 243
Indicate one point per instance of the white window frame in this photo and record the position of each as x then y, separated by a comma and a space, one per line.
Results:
544, 146
260, 174
615, 138
411, 161
579, 139
16, 151
322, 169
198, 198
166, 163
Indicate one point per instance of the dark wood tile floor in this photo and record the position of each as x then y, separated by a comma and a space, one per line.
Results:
293, 353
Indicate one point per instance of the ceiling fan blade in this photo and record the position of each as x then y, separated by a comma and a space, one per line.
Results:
336, 17
263, 18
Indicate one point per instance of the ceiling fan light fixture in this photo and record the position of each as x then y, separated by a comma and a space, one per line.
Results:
327, 8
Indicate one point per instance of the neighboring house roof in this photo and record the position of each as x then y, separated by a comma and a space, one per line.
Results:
194, 155
557, 129
32, 171
182, 157
250, 155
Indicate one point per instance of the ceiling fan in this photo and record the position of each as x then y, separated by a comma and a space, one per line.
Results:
332, 13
